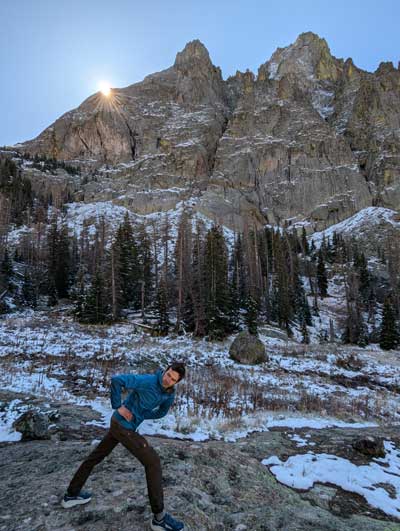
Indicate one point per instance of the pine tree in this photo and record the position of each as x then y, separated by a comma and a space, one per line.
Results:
116, 292
305, 335
146, 276
6, 265
304, 242
281, 307
188, 312
125, 269
183, 269
389, 333
6, 271
28, 290
62, 276
17, 189
364, 277
78, 293
355, 331
3, 305
265, 266
58, 260
299, 299
217, 288
198, 293
322, 278
253, 270
52, 299
237, 282
251, 316
162, 308
96, 308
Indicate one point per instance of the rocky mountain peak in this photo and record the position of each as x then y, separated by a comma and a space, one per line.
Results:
198, 81
308, 38
193, 53
308, 57
309, 119
385, 67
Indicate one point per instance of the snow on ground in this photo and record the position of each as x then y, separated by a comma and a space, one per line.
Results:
44, 355
355, 225
7, 417
16, 235
301, 386
179, 423
302, 471
79, 215
300, 441
179, 426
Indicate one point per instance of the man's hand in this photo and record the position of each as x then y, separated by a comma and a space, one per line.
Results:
124, 412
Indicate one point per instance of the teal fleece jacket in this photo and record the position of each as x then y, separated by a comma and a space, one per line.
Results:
147, 399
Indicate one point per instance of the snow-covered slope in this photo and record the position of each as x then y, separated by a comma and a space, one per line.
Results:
368, 222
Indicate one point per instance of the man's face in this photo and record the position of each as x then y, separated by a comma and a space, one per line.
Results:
170, 378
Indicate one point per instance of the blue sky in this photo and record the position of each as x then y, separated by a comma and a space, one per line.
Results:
53, 53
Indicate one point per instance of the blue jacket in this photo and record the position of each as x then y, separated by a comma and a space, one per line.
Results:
148, 399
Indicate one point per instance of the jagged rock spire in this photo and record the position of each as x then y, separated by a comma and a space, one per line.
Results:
198, 79
309, 57
193, 52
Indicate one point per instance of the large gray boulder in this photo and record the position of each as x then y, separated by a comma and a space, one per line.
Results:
33, 426
248, 349
371, 446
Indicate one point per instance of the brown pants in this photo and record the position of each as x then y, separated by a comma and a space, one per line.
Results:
139, 447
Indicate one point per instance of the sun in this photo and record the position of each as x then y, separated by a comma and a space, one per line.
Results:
105, 88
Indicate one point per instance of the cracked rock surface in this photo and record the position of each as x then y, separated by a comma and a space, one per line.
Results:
212, 486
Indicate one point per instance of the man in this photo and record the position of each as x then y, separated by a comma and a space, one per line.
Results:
150, 397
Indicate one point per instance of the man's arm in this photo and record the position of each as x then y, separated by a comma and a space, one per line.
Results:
162, 410
118, 382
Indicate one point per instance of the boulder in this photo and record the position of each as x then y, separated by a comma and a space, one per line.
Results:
32, 425
371, 446
248, 349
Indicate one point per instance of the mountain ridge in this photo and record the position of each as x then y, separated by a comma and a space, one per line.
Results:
308, 138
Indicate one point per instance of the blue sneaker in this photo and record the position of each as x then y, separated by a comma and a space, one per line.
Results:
79, 499
167, 523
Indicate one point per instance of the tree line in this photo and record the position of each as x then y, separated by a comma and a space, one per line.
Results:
197, 282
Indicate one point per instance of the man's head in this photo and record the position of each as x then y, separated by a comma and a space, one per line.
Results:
173, 374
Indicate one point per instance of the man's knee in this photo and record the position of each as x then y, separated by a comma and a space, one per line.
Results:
151, 458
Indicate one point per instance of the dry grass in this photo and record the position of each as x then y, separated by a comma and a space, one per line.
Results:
208, 392
213, 392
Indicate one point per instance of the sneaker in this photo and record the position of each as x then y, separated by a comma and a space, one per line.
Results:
79, 499
167, 523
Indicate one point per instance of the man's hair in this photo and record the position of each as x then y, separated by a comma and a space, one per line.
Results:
179, 367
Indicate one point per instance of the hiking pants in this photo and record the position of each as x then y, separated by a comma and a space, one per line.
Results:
139, 447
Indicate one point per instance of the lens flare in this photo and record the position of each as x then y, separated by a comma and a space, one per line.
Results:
105, 88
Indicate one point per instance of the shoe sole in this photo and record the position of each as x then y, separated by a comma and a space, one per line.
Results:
72, 503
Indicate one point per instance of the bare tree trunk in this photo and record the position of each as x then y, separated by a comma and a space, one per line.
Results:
155, 251
143, 315
113, 292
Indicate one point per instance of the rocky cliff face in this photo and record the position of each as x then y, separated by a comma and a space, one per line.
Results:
309, 138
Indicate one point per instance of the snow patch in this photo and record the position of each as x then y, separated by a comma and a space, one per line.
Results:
355, 225
303, 471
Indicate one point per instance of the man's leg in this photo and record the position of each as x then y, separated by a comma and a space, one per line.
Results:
149, 458
105, 447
